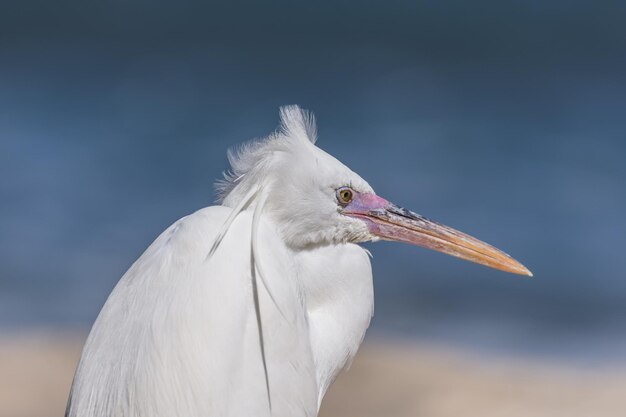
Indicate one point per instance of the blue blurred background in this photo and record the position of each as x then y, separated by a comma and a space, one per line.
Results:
503, 119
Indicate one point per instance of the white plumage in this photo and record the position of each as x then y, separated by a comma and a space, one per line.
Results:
252, 308
179, 336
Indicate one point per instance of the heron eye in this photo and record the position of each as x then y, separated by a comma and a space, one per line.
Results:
344, 195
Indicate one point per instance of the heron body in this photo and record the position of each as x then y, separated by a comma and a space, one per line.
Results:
252, 307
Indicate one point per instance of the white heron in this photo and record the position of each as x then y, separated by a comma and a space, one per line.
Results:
252, 307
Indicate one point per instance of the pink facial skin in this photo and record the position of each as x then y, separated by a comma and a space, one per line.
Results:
364, 203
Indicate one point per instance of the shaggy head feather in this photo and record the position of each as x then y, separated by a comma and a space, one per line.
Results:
299, 181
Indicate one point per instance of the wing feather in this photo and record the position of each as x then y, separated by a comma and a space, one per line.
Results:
179, 335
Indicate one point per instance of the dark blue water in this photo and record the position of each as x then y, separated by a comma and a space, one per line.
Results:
505, 121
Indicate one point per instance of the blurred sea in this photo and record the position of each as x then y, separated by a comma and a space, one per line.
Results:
504, 121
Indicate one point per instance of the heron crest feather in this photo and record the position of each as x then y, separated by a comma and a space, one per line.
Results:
297, 128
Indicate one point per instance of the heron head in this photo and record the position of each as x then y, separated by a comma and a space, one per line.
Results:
314, 199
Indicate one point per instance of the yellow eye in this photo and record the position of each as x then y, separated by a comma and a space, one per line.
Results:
344, 195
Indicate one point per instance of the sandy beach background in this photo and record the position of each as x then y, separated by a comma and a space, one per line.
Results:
386, 379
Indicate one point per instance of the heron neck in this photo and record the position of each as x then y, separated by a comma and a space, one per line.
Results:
339, 297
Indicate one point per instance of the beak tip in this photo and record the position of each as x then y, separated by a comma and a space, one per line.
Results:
524, 271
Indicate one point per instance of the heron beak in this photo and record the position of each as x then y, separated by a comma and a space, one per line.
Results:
391, 222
